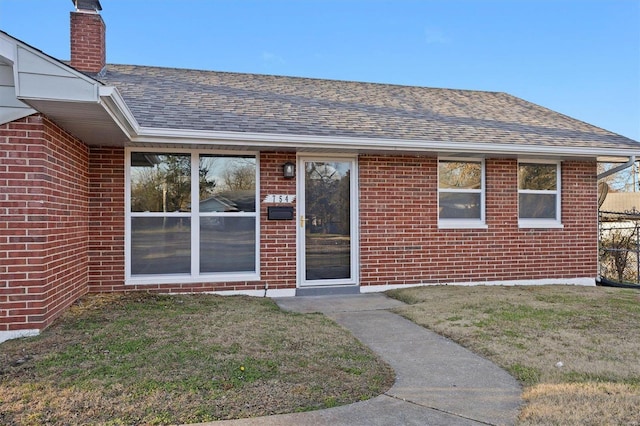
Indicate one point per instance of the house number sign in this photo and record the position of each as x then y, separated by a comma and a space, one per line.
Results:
279, 198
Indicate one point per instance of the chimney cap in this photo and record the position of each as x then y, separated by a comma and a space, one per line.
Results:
87, 5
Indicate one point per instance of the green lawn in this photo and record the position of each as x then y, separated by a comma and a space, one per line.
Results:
154, 359
575, 349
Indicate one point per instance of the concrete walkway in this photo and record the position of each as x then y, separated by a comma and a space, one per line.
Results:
437, 381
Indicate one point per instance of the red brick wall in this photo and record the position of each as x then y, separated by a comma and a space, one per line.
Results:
106, 218
88, 42
44, 230
401, 242
278, 237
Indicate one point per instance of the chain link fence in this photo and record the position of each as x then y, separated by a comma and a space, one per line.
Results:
619, 246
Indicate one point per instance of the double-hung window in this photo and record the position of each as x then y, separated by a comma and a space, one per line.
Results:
461, 195
191, 217
539, 194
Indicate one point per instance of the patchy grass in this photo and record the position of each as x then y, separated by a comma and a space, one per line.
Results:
575, 349
156, 359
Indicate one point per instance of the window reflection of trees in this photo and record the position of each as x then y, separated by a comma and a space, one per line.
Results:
163, 185
537, 186
162, 215
537, 176
460, 175
327, 199
227, 236
460, 189
235, 187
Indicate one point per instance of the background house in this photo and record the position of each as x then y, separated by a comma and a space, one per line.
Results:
620, 202
107, 172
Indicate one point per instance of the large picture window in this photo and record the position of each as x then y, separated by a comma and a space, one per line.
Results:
191, 217
460, 193
539, 194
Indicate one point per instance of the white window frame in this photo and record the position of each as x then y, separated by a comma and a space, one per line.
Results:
195, 276
542, 223
479, 223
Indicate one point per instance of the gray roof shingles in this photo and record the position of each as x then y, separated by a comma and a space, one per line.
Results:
174, 98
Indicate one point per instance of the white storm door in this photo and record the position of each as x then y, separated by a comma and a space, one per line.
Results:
327, 221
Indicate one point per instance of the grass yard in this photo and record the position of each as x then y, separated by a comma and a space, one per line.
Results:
153, 359
575, 349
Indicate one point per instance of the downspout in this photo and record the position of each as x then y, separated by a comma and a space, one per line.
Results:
632, 159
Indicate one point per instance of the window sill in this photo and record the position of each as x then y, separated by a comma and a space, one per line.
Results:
188, 279
540, 223
462, 224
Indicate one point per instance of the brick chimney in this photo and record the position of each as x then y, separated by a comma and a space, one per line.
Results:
88, 37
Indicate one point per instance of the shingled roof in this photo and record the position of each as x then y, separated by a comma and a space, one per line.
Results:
171, 98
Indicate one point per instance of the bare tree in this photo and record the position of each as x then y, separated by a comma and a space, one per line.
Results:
166, 186
455, 174
616, 245
239, 177
623, 181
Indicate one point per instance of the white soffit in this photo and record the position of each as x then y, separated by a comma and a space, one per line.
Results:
90, 123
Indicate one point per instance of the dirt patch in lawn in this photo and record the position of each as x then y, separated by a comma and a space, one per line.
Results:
575, 349
156, 359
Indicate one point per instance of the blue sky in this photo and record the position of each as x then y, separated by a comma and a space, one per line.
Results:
578, 57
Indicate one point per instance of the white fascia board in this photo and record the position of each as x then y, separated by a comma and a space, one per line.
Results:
284, 141
113, 103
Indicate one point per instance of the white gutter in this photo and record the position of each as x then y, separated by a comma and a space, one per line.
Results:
632, 159
147, 135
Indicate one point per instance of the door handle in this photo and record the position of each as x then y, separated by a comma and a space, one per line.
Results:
301, 221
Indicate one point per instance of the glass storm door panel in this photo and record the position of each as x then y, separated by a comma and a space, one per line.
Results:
326, 222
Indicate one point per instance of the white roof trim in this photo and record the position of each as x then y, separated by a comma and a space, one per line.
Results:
147, 135
114, 104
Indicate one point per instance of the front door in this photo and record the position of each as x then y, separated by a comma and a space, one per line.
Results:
327, 225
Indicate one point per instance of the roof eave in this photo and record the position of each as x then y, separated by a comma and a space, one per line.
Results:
146, 136
81, 105
114, 104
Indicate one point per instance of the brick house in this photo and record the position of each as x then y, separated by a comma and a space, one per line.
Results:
122, 177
